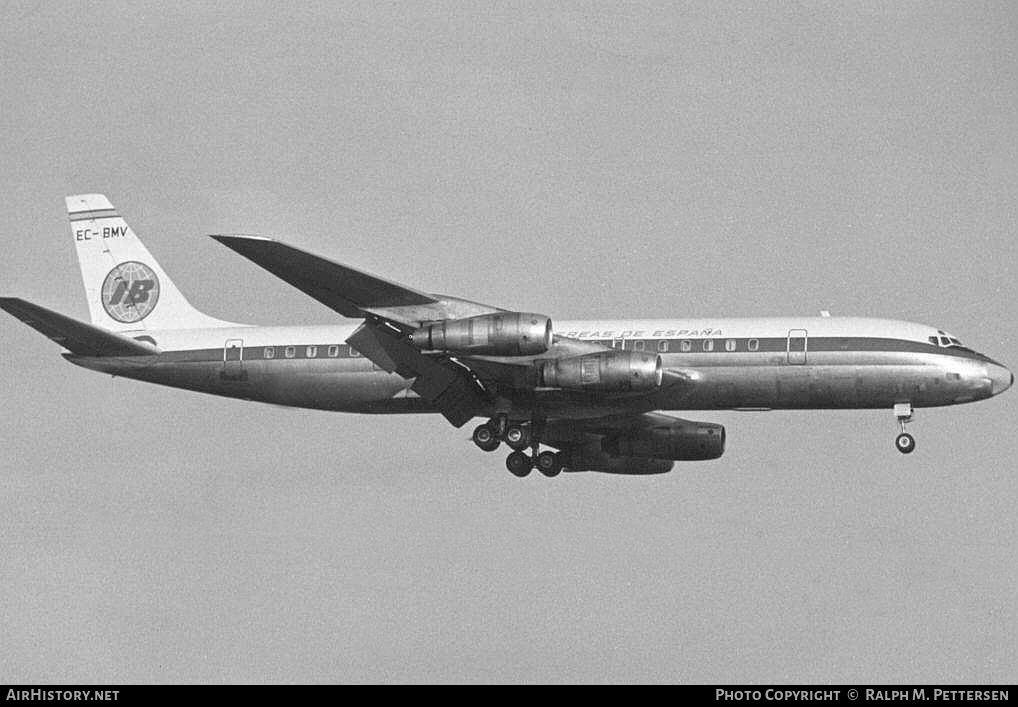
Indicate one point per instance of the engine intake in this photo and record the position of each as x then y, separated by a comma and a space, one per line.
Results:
502, 334
606, 371
682, 441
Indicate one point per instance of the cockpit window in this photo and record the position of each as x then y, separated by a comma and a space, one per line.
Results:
946, 341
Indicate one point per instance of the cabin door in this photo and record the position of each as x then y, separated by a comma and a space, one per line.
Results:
233, 359
797, 347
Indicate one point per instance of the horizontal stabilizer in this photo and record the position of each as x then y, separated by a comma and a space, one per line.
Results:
351, 292
77, 337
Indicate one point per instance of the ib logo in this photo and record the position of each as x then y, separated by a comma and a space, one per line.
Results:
130, 292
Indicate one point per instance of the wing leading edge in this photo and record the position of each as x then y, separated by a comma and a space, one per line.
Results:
351, 292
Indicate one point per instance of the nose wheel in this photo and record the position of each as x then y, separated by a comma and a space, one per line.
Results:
904, 441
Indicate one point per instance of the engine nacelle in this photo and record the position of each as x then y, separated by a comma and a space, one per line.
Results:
593, 459
501, 334
683, 441
606, 371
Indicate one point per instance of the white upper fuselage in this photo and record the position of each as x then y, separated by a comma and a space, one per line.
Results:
718, 328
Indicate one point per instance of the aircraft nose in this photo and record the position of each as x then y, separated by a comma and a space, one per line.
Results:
1001, 378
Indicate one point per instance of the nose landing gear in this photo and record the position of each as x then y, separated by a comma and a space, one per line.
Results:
904, 441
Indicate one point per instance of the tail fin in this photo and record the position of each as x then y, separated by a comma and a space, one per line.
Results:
126, 288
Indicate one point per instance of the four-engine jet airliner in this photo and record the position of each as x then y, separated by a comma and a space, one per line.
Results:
588, 390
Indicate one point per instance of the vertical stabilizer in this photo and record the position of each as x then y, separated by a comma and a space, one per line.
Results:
125, 287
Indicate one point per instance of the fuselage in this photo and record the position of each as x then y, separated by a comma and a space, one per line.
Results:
749, 363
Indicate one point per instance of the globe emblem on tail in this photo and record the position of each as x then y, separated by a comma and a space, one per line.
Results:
130, 292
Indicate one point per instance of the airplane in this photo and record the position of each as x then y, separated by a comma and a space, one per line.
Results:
592, 392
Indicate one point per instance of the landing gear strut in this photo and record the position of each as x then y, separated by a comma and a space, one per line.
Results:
904, 441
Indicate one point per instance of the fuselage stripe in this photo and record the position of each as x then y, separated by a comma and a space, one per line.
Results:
666, 347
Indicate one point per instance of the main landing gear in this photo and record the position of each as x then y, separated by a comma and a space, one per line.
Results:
904, 441
548, 463
486, 438
517, 437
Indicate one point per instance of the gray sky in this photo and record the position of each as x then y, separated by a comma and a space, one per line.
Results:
591, 160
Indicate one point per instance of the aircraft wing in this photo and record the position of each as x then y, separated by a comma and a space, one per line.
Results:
461, 387
389, 310
77, 337
351, 292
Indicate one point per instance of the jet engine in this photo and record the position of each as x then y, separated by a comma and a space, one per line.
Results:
681, 441
606, 371
588, 458
501, 334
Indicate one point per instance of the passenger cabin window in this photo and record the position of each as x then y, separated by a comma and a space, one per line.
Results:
729, 344
639, 344
662, 346
685, 345
270, 352
754, 344
708, 344
333, 351
290, 351
312, 351
354, 353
